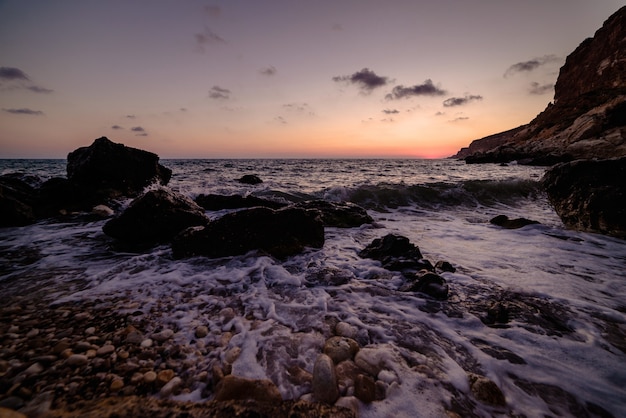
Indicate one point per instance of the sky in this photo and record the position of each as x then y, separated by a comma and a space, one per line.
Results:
280, 79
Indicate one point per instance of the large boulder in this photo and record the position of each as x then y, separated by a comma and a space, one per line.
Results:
105, 165
341, 215
219, 202
156, 216
16, 202
280, 233
397, 253
590, 195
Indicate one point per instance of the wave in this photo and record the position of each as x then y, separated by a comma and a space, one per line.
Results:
436, 195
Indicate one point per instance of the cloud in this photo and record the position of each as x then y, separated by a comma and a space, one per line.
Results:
116, 127
390, 111
218, 92
366, 79
459, 101
140, 131
268, 71
207, 37
538, 89
459, 119
280, 120
130, 116
24, 111
213, 10
12, 73
425, 89
530, 65
39, 89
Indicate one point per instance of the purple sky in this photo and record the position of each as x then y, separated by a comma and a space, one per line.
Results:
279, 78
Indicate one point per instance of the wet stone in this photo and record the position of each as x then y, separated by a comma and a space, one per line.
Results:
105, 350
77, 360
324, 382
365, 388
340, 348
165, 376
201, 331
149, 377
163, 336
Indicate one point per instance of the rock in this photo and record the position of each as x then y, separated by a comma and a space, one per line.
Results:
163, 335
365, 388
157, 216
586, 119
397, 253
17, 199
105, 350
149, 377
486, 390
34, 369
116, 385
324, 383
201, 331
170, 387
250, 179
590, 195
428, 283
77, 360
219, 202
240, 388
340, 215
107, 165
165, 376
373, 360
444, 266
280, 233
102, 211
340, 348
343, 329
505, 222
146, 343
9, 413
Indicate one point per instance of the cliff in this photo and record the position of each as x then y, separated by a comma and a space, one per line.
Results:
588, 116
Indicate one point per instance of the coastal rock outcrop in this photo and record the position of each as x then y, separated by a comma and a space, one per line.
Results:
108, 165
590, 195
340, 215
280, 233
156, 216
17, 199
588, 116
219, 202
397, 253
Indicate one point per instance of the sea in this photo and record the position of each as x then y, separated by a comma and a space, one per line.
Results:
561, 350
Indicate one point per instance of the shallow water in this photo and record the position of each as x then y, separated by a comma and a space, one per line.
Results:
562, 353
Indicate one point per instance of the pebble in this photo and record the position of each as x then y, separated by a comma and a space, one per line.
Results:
146, 343
201, 331
170, 386
165, 376
365, 388
116, 384
163, 336
343, 329
324, 382
90, 331
77, 360
32, 333
34, 369
486, 390
134, 337
241, 388
340, 348
232, 355
82, 346
105, 350
149, 377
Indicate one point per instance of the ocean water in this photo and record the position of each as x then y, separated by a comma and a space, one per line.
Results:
562, 353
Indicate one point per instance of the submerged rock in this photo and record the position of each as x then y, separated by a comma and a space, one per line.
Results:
428, 283
280, 233
250, 179
157, 216
396, 252
219, 202
240, 388
590, 195
486, 390
505, 222
340, 215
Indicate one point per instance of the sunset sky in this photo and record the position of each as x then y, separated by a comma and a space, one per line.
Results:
240, 79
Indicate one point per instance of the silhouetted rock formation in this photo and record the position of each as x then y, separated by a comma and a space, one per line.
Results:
590, 195
588, 116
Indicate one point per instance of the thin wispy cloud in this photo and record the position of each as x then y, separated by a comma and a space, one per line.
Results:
130, 116
206, 38
39, 89
219, 93
366, 79
530, 65
299, 108
116, 127
459, 119
268, 71
539, 89
460, 101
24, 111
391, 111
427, 88
12, 73
137, 129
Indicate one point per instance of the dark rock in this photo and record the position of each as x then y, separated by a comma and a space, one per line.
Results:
505, 222
395, 252
108, 165
232, 388
59, 196
341, 215
590, 195
486, 390
250, 179
498, 313
365, 388
219, 202
445, 266
430, 284
324, 383
157, 216
16, 202
280, 233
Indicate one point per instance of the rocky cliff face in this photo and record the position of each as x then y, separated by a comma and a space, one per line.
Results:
588, 116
